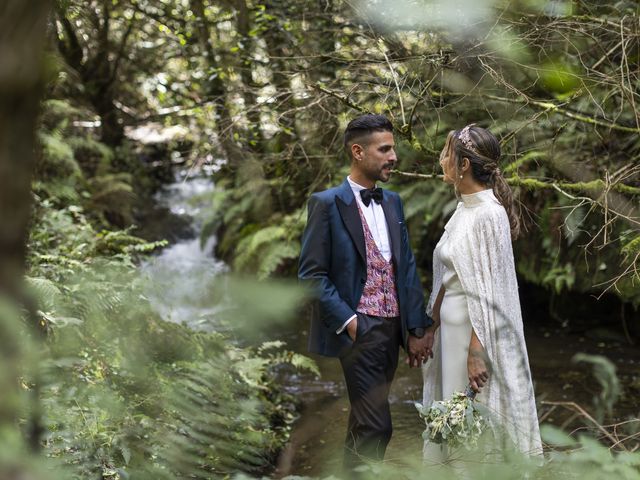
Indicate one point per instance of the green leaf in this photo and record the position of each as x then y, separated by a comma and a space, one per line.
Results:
555, 436
126, 454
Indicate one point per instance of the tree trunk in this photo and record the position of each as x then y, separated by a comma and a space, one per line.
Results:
279, 48
23, 26
99, 75
254, 132
249, 169
326, 70
215, 89
102, 100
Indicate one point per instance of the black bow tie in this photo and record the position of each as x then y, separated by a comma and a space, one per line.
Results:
371, 193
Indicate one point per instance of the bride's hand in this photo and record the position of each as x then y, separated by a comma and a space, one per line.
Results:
477, 369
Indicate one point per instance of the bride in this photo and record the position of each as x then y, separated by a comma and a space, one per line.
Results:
474, 302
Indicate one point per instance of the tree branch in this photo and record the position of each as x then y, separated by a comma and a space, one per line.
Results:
548, 106
71, 50
403, 130
594, 187
341, 98
121, 49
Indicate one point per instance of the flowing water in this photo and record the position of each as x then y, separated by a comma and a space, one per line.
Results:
184, 275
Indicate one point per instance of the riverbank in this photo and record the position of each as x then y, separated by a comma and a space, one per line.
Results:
315, 444
137, 376
315, 448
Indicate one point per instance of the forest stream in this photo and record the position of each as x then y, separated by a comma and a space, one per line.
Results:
157, 158
315, 446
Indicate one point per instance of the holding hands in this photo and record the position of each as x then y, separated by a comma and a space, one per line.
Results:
420, 349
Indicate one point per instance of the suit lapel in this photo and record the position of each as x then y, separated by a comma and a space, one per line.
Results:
393, 223
348, 209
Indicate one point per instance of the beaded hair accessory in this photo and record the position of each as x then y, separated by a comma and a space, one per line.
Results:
465, 137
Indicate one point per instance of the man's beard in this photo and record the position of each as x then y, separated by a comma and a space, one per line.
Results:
383, 175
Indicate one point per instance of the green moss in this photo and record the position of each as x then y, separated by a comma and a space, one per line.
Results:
631, 248
593, 187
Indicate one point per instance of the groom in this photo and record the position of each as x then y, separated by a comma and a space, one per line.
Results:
356, 256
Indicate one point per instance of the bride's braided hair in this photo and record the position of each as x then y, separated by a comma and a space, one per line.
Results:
482, 149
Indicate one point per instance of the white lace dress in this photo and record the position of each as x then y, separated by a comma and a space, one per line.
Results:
474, 262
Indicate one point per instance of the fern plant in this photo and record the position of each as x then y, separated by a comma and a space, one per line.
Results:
271, 249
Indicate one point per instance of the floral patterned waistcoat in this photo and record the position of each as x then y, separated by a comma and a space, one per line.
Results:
379, 297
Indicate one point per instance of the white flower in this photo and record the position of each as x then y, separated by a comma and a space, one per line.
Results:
447, 421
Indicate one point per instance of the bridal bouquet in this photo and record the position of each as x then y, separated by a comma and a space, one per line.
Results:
459, 421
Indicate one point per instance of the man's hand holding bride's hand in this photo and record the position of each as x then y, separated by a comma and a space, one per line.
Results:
417, 351
420, 349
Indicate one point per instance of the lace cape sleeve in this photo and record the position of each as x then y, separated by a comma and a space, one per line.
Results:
485, 266
486, 269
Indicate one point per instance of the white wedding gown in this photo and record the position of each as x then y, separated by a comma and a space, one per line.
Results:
455, 327
473, 261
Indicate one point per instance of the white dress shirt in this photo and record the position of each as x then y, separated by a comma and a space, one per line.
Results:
377, 223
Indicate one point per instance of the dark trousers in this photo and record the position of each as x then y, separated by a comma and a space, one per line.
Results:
369, 368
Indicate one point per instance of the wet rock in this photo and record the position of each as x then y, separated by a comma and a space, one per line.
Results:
160, 223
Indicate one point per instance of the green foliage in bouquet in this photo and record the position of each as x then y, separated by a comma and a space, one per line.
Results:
457, 422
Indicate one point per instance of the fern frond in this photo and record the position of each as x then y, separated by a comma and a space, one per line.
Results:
275, 256
249, 247
47, 293
266, 250
302, 362
110, 185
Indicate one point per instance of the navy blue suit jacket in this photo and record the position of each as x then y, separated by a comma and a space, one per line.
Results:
333, 262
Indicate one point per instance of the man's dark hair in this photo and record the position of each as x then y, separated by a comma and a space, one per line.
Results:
360, 128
